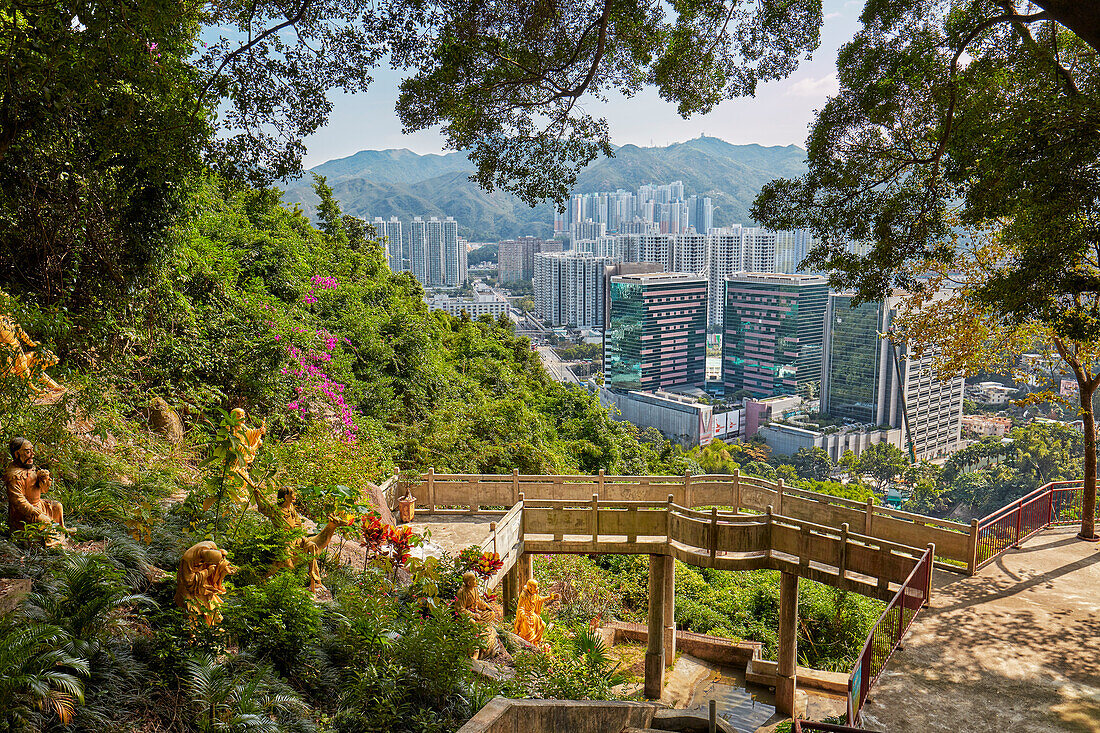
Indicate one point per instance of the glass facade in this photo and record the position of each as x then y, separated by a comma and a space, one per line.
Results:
656, 333
853, 360
774, 333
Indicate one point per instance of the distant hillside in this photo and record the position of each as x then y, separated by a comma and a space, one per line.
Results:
401, 183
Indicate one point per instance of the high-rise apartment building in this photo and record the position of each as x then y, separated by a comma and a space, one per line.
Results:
569, 288
516, 257
656, 336
773, 333
587, 229
868, 380
656, 248
417, 248
700, 214
392, 237
690, 253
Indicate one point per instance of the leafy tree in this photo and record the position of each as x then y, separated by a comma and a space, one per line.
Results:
884, 462
848, 462
980, 114
813, 463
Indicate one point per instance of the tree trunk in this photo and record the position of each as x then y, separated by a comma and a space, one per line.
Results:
1088, 500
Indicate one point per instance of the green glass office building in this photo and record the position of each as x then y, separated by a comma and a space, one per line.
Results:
774, 329
656, 335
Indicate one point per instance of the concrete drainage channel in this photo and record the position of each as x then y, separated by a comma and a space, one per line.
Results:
502, 715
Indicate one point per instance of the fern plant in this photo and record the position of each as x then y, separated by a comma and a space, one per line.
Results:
237, 698
38, 677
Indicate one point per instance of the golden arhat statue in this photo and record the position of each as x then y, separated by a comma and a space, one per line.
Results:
13, 339
469, 603
200, 581
25, 484
250, 439
529, 624
285, 516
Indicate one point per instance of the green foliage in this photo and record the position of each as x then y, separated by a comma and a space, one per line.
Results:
277, 620
38, 678
239, 698
884, 462
577, 668
813, 463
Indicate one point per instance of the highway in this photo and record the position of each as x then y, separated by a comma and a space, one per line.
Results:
557, 368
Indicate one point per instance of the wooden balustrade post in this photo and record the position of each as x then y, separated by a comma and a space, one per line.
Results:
595, 518
736, 490
786, 669
972, 560
687, 490
515, 485
668, 518
713, 534
843, 567
431, 490
600, 482
655, 653
928, 572
779, 497
493, 534
869, 516
768, 514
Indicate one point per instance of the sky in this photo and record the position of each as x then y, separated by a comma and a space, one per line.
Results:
779, 114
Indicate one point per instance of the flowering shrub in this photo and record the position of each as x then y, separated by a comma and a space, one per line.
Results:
306, 364
386, 541
484, 565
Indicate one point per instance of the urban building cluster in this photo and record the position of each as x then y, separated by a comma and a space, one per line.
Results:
431, 250
653, 209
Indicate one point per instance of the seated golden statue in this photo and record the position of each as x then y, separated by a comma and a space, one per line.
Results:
529, 624
200, 581
285, 516
24, 363
25, 485
469, 603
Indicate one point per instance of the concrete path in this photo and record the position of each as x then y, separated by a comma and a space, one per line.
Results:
1014, 648
455, 533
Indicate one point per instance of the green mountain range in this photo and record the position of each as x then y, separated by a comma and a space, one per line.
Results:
404, 184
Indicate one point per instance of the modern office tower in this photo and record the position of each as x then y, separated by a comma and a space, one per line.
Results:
393, 242
690, 253
773, 333
656, 336
862, 381
569, 288
700, 213
791, 247
656, 248
417, 247
623, 268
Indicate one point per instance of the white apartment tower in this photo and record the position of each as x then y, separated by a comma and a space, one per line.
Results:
393, 242
569, 288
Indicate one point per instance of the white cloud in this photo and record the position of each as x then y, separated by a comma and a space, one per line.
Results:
810, 87
830, 16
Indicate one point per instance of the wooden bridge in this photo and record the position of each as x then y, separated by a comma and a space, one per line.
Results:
751, 524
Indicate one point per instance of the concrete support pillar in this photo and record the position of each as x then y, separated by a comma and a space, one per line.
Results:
655, 651
669, 600
524, 571
788, 643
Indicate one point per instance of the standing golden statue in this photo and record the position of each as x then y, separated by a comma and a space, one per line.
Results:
250, 440
469, 603
25, 485
25, 363
200, 581
529, 624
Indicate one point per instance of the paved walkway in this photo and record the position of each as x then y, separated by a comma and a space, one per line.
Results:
1014, 648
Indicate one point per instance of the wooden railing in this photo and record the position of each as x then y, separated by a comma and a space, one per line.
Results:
722, 540
887, 634
471, 493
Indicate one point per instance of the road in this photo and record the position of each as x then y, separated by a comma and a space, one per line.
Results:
558, 369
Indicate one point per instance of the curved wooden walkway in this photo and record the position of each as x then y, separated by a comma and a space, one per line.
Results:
1014, 648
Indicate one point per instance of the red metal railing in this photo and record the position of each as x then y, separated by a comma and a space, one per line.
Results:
1058, 502
807, 726
888, 633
